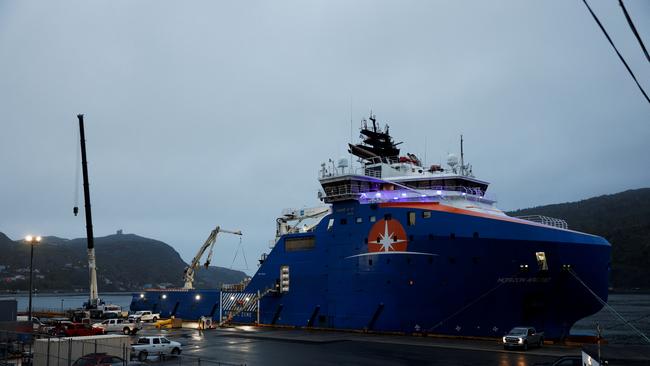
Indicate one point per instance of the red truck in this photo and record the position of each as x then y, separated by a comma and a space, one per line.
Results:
76, 330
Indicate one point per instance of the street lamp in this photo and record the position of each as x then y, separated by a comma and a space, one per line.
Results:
31, 240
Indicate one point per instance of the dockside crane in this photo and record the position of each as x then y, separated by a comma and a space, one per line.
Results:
93, 298
188, 274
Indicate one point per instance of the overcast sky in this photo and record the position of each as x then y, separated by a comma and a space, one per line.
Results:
219, 113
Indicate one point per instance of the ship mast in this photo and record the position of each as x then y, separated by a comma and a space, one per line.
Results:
93, 299
462, 160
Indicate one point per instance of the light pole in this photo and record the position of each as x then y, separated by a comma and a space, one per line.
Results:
31, 240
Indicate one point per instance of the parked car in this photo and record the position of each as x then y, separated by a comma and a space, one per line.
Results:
37, 324
523, 337
564, 361
55, 326
75, 330
99, 359
568, 361
155, 346
108, 311
118, 325
144, 316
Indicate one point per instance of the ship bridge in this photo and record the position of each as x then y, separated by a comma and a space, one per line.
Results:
385, 176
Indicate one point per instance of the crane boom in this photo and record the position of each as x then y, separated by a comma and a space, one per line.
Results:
188, 274
299, 215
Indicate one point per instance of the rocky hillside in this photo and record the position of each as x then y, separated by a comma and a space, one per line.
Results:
126, 262
624, 220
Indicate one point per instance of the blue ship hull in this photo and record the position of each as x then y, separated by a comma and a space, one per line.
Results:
461, 274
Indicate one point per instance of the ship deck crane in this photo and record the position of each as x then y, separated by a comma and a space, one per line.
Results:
299, 215
188, 274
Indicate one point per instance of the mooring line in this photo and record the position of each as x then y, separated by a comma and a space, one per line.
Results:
467, 306
608, 307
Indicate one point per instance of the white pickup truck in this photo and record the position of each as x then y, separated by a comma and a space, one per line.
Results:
523, 337
144, 316
154, 346
118, 325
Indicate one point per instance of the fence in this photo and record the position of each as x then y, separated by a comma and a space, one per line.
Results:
27, 349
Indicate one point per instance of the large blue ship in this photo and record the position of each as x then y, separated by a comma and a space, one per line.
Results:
402, 247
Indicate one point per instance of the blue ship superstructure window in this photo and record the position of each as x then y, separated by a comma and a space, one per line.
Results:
359, 220
284, 279
343, 221
426, 214
373, 218
410, 218
301, 243
330, 224
542, 265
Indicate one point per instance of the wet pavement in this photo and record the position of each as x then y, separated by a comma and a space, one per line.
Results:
268, 346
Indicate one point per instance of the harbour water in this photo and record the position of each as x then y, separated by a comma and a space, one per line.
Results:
63, 301
635, 308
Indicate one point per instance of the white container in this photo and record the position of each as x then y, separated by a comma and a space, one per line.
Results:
65, 351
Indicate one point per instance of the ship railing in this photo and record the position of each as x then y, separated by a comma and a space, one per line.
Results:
341, 190
369, 172
237, 287
366, 168
545, 220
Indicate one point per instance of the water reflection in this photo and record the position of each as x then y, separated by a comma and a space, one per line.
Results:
506, 359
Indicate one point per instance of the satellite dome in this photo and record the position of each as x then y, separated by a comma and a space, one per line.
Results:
452, 160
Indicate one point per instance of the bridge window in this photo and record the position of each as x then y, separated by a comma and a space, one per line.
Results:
296, 244
426, 214
330, 224
373, 218
359, 220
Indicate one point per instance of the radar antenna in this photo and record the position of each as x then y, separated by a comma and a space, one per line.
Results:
374, 121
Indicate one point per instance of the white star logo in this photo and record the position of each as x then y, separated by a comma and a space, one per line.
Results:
387, 240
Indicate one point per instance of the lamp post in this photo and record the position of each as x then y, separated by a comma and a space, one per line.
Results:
31, 240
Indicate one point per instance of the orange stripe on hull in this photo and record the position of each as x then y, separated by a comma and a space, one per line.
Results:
436, 206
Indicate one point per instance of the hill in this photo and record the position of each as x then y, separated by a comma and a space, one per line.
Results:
125, 262
623, 219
